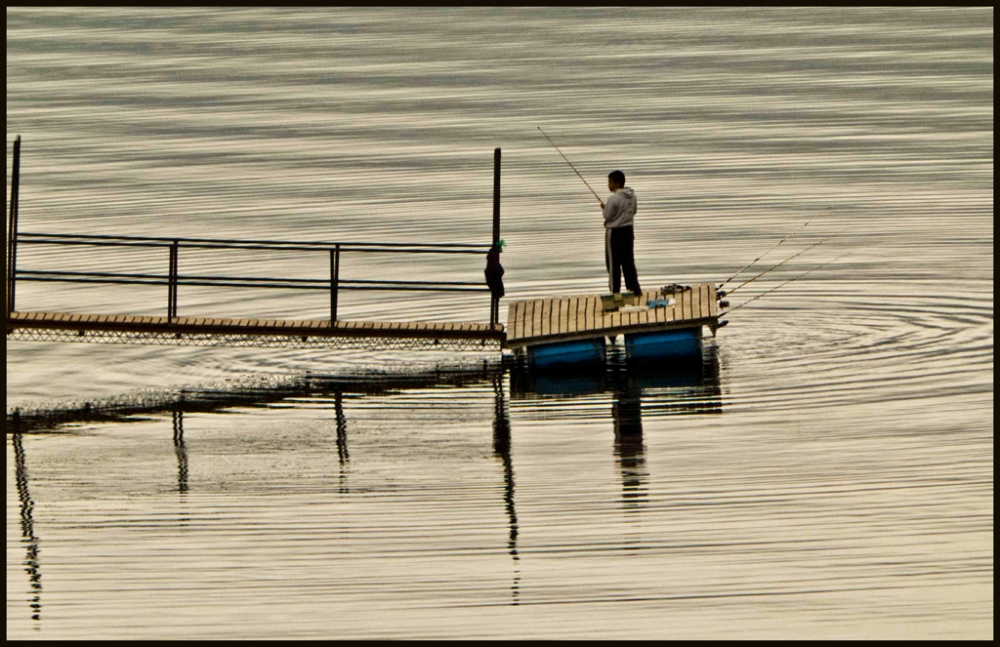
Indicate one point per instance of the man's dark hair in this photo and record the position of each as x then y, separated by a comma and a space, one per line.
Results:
618, 177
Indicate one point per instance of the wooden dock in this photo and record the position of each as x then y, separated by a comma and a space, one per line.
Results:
287, 327
536, 322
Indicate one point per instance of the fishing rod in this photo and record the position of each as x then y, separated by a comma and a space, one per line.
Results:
570, 164
788, 281
781, 263
724, 283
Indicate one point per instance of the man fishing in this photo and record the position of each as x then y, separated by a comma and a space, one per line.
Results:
619, 237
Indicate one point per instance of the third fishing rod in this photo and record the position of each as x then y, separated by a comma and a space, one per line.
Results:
786, 283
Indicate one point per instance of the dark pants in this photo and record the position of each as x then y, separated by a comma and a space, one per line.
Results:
619, 257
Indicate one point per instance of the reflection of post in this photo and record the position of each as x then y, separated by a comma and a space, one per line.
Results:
501, 447
181, 450
629, 449
28, 537
345, 457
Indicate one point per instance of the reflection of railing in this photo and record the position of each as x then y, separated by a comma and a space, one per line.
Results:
173, 279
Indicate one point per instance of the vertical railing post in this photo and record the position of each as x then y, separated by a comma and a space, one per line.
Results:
334, 281
12, 228
495, 302
172, 290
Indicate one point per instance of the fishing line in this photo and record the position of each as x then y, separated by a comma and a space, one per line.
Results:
788, 281
569, 162
724, 283
780, 264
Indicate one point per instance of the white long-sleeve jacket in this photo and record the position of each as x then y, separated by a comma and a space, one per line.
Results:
619, 210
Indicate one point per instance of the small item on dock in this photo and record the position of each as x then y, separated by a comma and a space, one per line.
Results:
660, 303
673, 288
617, 300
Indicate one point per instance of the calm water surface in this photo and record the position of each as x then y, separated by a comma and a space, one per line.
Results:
825, 471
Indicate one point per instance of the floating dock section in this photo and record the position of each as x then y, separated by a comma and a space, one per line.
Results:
567, 331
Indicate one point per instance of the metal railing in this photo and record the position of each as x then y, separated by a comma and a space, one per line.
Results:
173, 279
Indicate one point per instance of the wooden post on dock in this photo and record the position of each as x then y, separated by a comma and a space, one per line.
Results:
495, 302
12, 228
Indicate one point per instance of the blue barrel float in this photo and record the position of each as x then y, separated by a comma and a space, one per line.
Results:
668, 345
568, 353
664, 345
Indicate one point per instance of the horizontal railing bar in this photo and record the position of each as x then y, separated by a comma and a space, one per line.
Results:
388, 285
200, 277
469, 247
103, 243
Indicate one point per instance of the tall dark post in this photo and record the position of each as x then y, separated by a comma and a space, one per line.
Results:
12, 228
172, 288
334, 281
495, 302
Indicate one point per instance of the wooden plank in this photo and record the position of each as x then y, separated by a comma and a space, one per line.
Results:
523, 321
705, 311
696, 302
535, 327
512, 318
543, 319
713, 307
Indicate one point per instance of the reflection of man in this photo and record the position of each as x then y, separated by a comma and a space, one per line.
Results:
619, 237
626, 411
